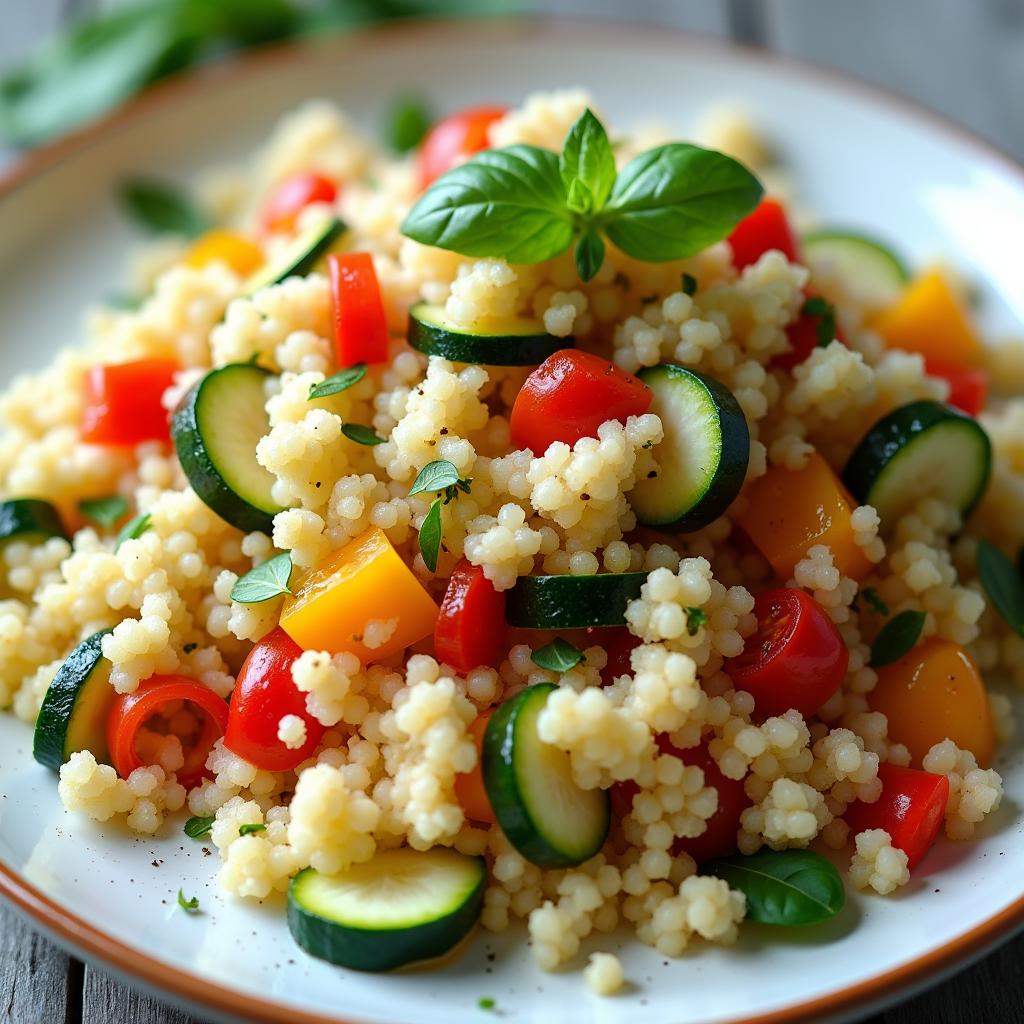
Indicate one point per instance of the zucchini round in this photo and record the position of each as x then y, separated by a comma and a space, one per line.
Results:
216, 428
517, 342
866, 266
74, 712
402, 906
29, 519
702, 460
543, 813
921, 450
299, 257
572, 602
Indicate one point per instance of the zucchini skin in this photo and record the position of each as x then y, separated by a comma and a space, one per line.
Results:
28, 517
297, 265
365, 949
572, 602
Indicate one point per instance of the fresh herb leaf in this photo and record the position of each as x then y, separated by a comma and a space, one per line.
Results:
503, 202
897, 637
557, 656
695, 618
134, 529
104, 511
786, 887
339, 382
361, 435
1003, 585
587, 165
675, 200
823, 309
161, 209
486, 1003
430, 535
873, 601
689, 284
409, 120
248, 830
189, 906
197, 828
438, 475
589, 254
124, 302
268, 579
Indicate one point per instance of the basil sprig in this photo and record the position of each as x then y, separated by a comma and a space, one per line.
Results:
695, 618
431, 531
408, 121
824, 312
134, 529
786, 887
526, 205
104, 511
557, 656
268, 579
341, 381
362, 435
1003, 585
250, 829
162, 209
198, 827
190, 906
897, 637
440, 476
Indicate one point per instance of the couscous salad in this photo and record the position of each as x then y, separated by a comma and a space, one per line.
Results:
542, 524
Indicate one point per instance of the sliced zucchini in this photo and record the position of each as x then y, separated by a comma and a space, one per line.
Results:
921, 450
543, 813
299, 257
702, 460
402, 906
572, 602
74, 712
216, 428
866, 266
516, 342
29, 519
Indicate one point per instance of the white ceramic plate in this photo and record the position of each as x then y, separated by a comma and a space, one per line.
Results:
860, 159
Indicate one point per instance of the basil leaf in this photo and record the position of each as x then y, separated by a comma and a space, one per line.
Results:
408, 123
362, 435
695, 618
896, 637
197, 828
435, 476
873, 601
825, 331
503, 202
689, 284
104, 511
786, 887
134, 529
267, 580
587, 159
675, 200
161, 208
578, 197
486, 1003
557, 656
124, 302
430, 536
1003, 585
340, 381
189, 906
248, 830
589, 254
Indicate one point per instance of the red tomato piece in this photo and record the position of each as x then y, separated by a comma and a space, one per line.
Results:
122, 402
130, 711
911, 809
569, 396
264, 694
470, 629
803, 339
456, 138
292, 196
796, 659
766, 228
968, 386
618, 644
360, 325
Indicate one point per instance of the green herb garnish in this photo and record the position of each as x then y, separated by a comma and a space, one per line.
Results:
189, 906
268, 579
1003, 585
689, 285
440, 476
431, 531
162, 209
409, 120
341, 381
104, 511
197, 828
362, 435
557, 656
821, 308
486, 1003
248, 830
897, 637
873, 601
134, 529
695, 618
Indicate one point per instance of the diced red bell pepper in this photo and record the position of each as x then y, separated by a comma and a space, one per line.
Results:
805, 333
470, 629
911, 809
766, 228
453, 140
968, 387
569, 396
360, 324
122, 402
292, 196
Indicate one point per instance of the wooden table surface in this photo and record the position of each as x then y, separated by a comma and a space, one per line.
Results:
962, 57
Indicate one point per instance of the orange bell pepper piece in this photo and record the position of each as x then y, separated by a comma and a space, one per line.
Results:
933, 693
365, 580
219, 246
791, 510
930, 318
469, 786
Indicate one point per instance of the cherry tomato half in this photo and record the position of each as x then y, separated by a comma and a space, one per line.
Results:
470, 629
360, 325
766, 228
804, 337
968, 386
796, 659
291, 196
264, 694
123, 402
719, 837
456, 138
469, 786
569, 396
618, 644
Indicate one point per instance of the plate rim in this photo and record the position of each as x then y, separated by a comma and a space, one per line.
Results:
77, 933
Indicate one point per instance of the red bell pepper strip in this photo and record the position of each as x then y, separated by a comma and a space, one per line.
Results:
453, 140
292, 196
766, 228
470, 630
122, 402
360, 324
968, 386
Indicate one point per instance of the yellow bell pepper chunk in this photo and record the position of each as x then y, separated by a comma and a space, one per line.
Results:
930, 318
366, 580
791, 510
219, 246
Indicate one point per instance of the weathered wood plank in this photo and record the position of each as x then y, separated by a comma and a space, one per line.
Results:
108, 1001
36, 978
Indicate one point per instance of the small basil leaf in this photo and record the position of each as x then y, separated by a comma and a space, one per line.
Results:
873, 601
162, 209
189, 906
248, 830
197, 828
502, 202
587, 158
134, 529
361, 435
695, 618
341, 381
1003, 585
430, 535
578, 197
896, 637
267, 580
104, 511
557, 656
435, 476
675, 200
408, 122
689, 284
786, 887
589, 254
